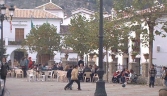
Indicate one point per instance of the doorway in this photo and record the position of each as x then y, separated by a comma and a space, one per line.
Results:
18, 55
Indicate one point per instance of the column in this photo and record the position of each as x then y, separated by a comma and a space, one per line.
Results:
112, 69
145, 69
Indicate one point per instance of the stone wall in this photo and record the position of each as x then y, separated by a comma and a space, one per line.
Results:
144, 80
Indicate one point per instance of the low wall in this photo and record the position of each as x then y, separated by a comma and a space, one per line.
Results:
144, 80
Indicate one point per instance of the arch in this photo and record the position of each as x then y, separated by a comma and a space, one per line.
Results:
18, 54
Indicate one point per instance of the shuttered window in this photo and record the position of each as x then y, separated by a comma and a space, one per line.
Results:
19, 34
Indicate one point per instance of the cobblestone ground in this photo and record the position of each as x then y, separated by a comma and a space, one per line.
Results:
21, 87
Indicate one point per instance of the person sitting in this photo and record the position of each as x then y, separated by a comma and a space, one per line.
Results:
122, 74
60, 67
116, 76
86, 69
94, 72
132, 74
54, 67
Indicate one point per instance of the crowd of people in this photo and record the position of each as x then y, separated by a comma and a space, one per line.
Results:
75, 73
124, 76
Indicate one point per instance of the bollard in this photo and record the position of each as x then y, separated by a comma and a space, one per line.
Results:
163, 92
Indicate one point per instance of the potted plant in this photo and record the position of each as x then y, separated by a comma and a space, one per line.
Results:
113, 56
146, 56
133, 55
66, 56
133, 39
91, 55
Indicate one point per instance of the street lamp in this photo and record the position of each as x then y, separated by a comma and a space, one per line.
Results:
3, 17
100, 84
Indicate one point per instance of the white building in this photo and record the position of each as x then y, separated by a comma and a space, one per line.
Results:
159, 48
53, 14
21, 25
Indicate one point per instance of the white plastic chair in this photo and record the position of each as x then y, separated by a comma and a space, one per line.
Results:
18, 72
49, 74
61, 75
87, 76
31, 75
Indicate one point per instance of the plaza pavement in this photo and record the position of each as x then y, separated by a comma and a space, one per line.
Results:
20, 87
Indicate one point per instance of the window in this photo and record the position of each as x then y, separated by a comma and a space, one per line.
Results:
19, 34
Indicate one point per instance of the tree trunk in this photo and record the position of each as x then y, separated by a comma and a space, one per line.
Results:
151, 25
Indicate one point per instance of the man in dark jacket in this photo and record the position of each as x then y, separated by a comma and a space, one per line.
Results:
4, 68
69, 76
80, 62
152, 74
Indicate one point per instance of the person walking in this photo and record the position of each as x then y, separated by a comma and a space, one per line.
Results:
4, 69
74, 77
152, 74
164, 75
69, 76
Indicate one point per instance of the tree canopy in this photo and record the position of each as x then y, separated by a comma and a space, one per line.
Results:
77, 39
143, 16
43, 39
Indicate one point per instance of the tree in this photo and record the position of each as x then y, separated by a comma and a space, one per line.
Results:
144, 12
115, 34
43, 39
77, 39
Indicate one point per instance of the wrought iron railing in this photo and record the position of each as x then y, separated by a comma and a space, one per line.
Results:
14, 42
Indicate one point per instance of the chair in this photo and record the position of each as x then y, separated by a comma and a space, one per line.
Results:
42, 74
87, 75
31, 75
49, 74
95, 77
61, 75
18, 72
55, 74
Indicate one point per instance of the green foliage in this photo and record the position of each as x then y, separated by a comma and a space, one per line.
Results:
43, 39
83, 37
78, 36
143, 13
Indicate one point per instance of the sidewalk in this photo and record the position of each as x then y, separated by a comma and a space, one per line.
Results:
20, 87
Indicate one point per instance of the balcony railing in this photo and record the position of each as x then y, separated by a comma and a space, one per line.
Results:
15, 42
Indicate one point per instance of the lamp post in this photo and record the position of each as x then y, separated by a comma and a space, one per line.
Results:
3, 17
100, 84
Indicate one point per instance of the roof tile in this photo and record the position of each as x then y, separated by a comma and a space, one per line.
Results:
35, 13
49, 6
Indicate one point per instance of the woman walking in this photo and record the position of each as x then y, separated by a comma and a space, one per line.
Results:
4, 69
74, 77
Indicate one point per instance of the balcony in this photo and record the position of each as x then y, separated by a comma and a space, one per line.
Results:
15, 42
